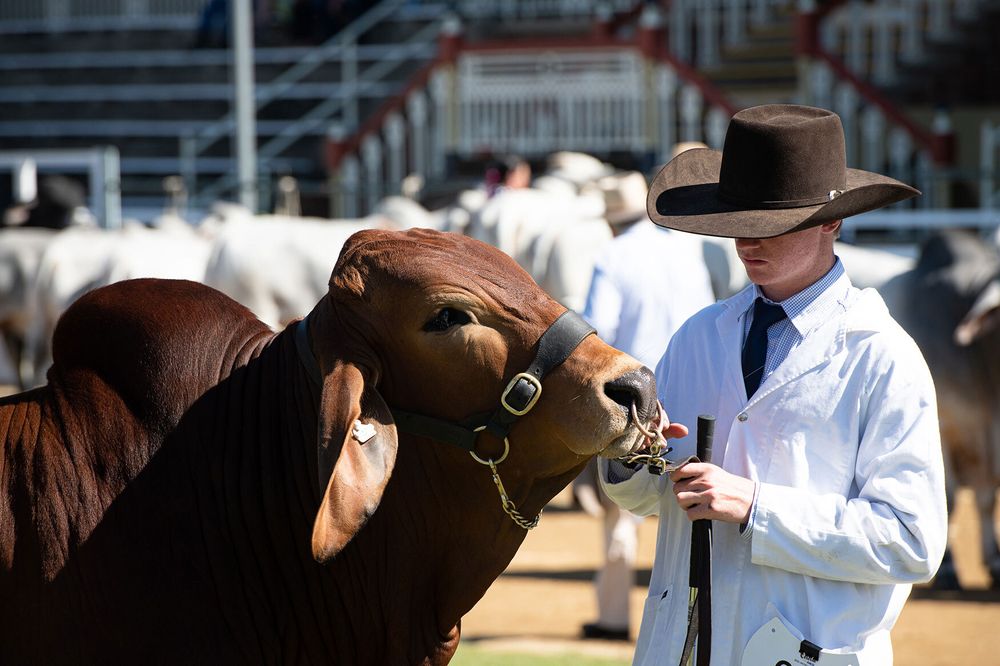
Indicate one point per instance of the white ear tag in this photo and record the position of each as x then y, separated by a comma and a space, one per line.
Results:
362, 431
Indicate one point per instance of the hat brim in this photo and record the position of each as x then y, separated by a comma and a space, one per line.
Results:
684, 195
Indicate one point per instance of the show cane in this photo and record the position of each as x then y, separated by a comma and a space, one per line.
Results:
700, 574
702, 536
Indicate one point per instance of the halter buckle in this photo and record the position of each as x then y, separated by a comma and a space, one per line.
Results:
531, 379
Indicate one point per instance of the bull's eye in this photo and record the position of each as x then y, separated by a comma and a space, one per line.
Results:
446, 318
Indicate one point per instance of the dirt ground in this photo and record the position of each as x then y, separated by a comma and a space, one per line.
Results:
539, 603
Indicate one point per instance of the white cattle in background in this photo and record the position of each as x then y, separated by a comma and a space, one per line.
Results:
871, 266
512, 218
950, 304
404, 213
561, 257
21, 252
456, 216
279, 266
80, 259
866, 266
553, 235
569, 261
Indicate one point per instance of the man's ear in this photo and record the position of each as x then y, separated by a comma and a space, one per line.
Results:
832, 227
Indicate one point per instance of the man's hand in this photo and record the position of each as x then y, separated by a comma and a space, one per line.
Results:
674, 430
707, 491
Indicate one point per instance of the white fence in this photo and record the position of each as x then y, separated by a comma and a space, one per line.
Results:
531, 103
596, 101
535, 103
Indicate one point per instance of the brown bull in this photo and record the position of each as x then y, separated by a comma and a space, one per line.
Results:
164, 499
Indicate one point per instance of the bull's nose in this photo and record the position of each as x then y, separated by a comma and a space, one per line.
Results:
637, 387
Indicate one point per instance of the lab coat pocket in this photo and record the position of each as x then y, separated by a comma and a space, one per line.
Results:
778, 641
660, 623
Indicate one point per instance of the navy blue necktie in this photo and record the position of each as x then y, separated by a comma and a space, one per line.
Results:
755, 349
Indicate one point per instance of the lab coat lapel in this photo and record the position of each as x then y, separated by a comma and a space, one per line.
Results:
815, 349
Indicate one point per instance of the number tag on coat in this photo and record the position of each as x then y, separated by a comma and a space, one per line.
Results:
774, 645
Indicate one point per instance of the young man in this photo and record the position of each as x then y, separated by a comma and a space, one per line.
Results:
827, 490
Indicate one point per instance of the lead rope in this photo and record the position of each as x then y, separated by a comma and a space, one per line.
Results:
655, 441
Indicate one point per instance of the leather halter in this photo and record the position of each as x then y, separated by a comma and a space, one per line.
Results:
522, 392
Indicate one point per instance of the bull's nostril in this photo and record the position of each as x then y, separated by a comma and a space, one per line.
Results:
625, 398
636, 387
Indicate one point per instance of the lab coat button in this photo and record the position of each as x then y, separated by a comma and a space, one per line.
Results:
743, 416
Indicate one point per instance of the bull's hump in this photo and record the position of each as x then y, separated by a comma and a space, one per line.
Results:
159, 344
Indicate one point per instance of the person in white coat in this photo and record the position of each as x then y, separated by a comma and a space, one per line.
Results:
645, 284
827, 488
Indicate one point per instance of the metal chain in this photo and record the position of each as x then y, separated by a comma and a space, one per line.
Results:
508, 506
654, 457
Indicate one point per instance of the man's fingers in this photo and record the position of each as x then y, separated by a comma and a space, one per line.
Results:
687, 471
675, 431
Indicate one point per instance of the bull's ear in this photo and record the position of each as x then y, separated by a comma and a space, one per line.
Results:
357, 450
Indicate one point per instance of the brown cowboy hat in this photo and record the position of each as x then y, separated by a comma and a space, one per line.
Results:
783, 168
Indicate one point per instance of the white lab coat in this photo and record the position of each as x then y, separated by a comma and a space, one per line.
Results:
843, 441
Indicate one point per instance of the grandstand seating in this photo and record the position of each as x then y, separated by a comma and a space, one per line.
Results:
160, 93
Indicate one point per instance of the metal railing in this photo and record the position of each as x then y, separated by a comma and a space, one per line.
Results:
699, 29
874, 38
65, 15
169, 59
878, 137
344, 100
342, 105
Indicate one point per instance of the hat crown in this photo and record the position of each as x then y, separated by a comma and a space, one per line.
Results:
783, 156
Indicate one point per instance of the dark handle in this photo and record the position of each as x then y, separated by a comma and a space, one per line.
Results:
706, 432
704, 436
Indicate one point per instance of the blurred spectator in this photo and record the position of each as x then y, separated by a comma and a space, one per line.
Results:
646, 284
509, 171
